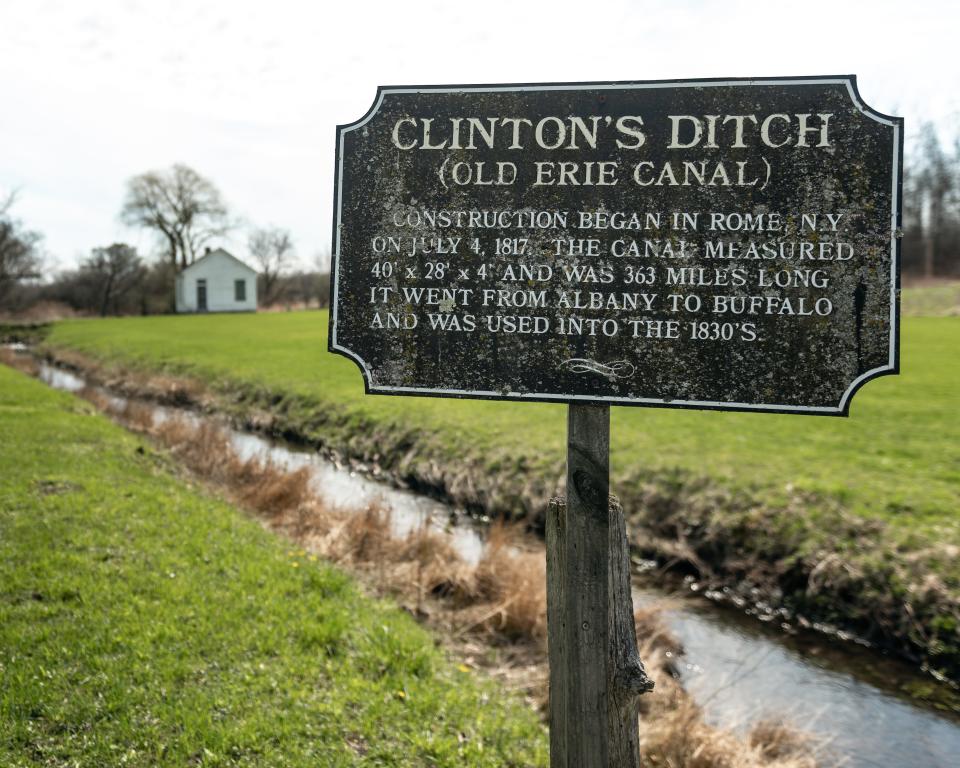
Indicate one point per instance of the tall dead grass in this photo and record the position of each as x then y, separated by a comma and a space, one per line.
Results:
160, 387
679, 737
19, 361
500, 600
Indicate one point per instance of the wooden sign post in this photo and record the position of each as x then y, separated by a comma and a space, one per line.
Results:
596, 676
721, 244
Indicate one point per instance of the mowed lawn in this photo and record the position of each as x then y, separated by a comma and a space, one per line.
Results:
897, 457
143, 622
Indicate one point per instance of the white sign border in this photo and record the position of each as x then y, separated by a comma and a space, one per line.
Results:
842, 409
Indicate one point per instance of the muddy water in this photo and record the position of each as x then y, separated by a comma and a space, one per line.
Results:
737, 668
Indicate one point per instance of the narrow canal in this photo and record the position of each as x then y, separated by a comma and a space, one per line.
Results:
737, 668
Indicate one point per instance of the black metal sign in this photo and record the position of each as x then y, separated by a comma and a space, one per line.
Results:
728, 244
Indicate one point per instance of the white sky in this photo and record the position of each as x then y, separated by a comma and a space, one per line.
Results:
249, 93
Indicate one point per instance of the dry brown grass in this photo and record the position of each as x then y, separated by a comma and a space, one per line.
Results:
514, 581
778, 740
678, 737
159, 387
205, 449
492, 614
42, 312
270, 489
653, 630
19, 361
171, 389
363, 537
95, 397
137, 416
174, 433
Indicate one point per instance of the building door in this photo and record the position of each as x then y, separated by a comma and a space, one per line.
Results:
201, 295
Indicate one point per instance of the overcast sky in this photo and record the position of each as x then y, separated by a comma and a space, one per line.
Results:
249, 93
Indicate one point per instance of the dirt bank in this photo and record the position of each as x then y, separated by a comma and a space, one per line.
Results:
824, 571
489, 614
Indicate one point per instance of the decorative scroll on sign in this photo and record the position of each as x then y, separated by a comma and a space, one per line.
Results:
728, 244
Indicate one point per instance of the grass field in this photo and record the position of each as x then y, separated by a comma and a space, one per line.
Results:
145, 623
851, 521
897, 457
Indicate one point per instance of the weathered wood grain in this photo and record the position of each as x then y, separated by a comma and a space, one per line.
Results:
596, 675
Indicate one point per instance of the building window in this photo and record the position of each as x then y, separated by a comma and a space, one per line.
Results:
240, 290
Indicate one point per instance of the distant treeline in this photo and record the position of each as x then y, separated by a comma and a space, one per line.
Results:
116, 281
185, 211
931, 206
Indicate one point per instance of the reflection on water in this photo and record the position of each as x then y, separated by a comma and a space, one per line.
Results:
740, 674
409, 511
739, 670
61, 379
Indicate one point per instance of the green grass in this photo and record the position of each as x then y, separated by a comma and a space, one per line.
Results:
143, 622
847, 521
897, 457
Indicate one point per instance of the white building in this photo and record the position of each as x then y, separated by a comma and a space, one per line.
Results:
217, 282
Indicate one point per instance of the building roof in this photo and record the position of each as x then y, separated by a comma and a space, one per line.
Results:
216, 252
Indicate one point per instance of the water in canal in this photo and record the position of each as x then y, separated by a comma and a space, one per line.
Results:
737, 668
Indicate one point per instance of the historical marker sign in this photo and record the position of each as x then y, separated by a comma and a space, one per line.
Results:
728, 244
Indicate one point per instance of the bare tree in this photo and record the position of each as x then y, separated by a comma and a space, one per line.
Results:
323, 289
19, 250
322, 260
931, 206
936, 181
306, 287
184, 209
272, 249
114, 271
